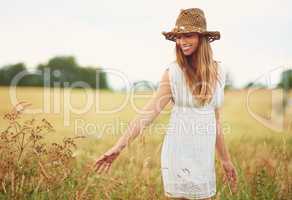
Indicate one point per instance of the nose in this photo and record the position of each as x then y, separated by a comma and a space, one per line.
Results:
181, 39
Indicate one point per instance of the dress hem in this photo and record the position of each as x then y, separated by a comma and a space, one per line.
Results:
184, 195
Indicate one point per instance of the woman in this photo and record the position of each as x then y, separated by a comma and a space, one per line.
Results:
194, 83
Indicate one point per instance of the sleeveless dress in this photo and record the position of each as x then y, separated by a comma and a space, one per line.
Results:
188, 149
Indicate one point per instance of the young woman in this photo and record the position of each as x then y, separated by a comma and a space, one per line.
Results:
194, 83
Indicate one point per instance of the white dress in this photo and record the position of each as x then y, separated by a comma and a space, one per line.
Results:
188, 149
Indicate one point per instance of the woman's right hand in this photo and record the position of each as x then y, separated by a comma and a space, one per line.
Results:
105, 161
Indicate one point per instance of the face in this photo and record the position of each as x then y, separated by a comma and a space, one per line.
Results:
188, 42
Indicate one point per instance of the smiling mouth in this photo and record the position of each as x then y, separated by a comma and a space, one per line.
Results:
186, 47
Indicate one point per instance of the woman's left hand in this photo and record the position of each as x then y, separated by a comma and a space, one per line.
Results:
230, 175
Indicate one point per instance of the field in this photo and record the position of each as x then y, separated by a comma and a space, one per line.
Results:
260, 150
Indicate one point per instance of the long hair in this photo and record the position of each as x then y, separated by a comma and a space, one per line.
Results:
200, 71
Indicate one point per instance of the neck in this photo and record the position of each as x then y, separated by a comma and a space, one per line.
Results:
191, 60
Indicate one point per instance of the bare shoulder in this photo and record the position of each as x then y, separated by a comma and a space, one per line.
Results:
165, 75
164, 80
221, 72
168, 70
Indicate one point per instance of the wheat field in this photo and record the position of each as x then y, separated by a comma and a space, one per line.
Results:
261, 154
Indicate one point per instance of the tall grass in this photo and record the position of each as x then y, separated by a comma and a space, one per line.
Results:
33, 166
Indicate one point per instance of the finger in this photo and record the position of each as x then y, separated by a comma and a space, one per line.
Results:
93, 166
233, 179
98, 170
90, 165
98, 166
227, 176
108, 168
230, 174
230, 178
99, 160
102, 157
234, 175
102, 168
234, 188
224, 179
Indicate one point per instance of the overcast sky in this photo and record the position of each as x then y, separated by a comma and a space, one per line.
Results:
126, 35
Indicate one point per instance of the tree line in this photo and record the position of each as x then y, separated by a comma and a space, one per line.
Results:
285, 81
64, 71
60, 71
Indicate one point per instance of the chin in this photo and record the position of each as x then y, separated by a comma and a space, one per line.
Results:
188, 54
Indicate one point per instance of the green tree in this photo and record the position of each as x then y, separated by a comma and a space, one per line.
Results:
286, 79
8, 72
286, 84
60, 71
228, 81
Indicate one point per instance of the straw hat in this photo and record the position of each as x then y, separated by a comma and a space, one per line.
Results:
191, 20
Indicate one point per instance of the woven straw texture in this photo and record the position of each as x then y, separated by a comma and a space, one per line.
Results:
191, 20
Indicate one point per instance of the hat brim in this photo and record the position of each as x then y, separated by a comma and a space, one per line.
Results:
211, 35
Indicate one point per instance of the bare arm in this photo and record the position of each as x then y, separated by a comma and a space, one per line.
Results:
230, 170
149, 112
220, 144
136, 126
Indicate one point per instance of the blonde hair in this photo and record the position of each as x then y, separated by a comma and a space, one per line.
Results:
200, 71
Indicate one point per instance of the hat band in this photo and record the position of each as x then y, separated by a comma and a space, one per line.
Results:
185, 29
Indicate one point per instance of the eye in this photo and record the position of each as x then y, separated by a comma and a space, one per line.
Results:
188, 35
